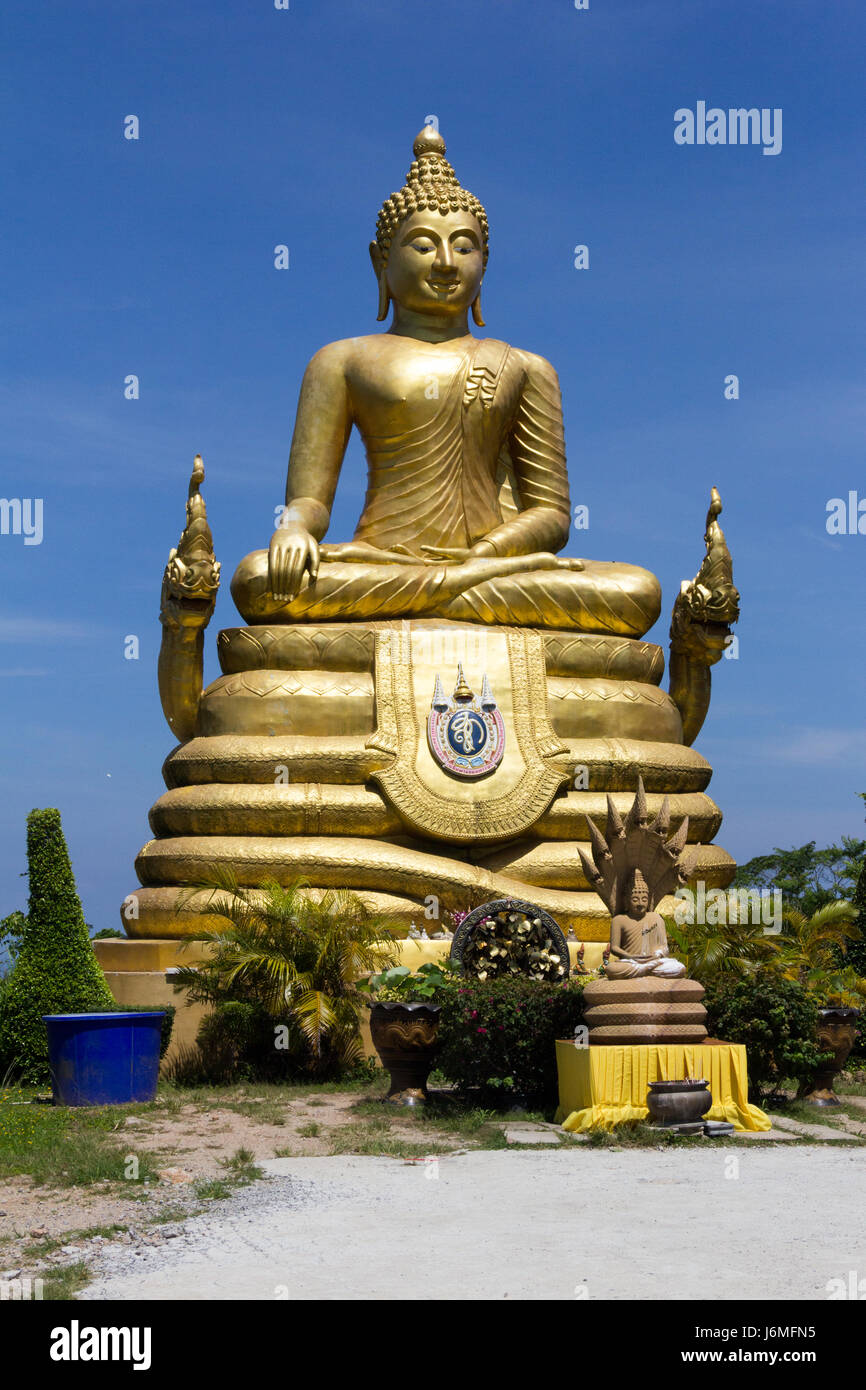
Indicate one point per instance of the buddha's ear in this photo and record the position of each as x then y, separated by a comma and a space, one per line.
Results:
476, 310
381, 276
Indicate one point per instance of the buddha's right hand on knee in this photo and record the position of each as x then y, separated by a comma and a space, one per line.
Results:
292, 552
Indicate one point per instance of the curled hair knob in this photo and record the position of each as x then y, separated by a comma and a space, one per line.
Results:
429, 141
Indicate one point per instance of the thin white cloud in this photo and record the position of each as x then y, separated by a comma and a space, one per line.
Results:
28, 629
806, 746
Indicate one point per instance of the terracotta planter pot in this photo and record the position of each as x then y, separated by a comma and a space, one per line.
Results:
837, 1031
406, 1039
678, 1102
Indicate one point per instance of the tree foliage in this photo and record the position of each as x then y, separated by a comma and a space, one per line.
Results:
55, 969
808, 878
857, 947
498, 1037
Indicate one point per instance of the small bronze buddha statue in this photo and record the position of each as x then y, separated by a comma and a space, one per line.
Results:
644, 996
638, 939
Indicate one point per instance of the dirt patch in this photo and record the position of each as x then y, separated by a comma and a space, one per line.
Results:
193, 1144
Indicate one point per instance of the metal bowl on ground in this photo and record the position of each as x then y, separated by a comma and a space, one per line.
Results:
678, 1102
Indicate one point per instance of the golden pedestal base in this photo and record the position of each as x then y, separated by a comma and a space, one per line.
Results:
310, 760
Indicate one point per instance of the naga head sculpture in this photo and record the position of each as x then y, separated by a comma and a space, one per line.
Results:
710, 600
636, 852
192, 575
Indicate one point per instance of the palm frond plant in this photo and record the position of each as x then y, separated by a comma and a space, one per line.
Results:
837, 989
714, 953
810, 951
295, 957
814, 951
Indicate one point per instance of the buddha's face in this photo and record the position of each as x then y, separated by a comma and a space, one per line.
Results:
638, 900
435, 263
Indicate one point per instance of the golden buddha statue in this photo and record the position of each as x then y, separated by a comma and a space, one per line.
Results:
322, 751
467, 494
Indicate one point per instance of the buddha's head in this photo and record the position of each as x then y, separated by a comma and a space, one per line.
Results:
637, 898
431, 246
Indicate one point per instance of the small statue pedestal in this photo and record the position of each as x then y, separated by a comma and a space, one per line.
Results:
646, 1010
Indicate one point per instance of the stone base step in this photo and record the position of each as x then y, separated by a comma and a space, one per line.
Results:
648, 1033
633, 1015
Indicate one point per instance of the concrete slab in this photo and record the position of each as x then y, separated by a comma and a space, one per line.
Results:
813, 1131
622, 1222
769, 1135
531, 1135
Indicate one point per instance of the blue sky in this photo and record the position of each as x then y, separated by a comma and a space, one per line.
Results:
260, 127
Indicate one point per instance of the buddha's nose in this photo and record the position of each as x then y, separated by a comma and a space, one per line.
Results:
444, 260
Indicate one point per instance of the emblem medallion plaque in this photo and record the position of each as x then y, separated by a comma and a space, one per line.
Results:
465, 733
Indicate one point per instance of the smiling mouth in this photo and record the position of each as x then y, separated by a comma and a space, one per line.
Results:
443, 286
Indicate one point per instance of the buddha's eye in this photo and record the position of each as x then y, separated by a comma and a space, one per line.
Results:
423, 246
464, 248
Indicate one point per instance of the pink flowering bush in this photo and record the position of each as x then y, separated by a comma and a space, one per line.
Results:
497, 1036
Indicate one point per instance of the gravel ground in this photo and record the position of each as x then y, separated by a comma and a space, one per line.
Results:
771, 1222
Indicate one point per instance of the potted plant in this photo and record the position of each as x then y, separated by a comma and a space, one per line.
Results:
404, 1026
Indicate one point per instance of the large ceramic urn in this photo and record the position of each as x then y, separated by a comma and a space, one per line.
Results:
837, 1033
405, 1035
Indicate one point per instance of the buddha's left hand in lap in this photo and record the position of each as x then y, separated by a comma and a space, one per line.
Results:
459, 555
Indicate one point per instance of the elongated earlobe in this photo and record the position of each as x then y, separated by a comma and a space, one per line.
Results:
384, 298
476, 310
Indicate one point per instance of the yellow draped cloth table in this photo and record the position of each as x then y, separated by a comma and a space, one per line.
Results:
604, 1086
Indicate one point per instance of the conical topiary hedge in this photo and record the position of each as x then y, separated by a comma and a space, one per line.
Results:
56, 971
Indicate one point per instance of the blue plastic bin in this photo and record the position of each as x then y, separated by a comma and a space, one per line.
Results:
103, 1059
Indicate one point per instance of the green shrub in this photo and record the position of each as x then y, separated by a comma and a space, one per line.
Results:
293, 961
11, 931
236, 1043
498, 1036
856, 953
55, 969
776, 1019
